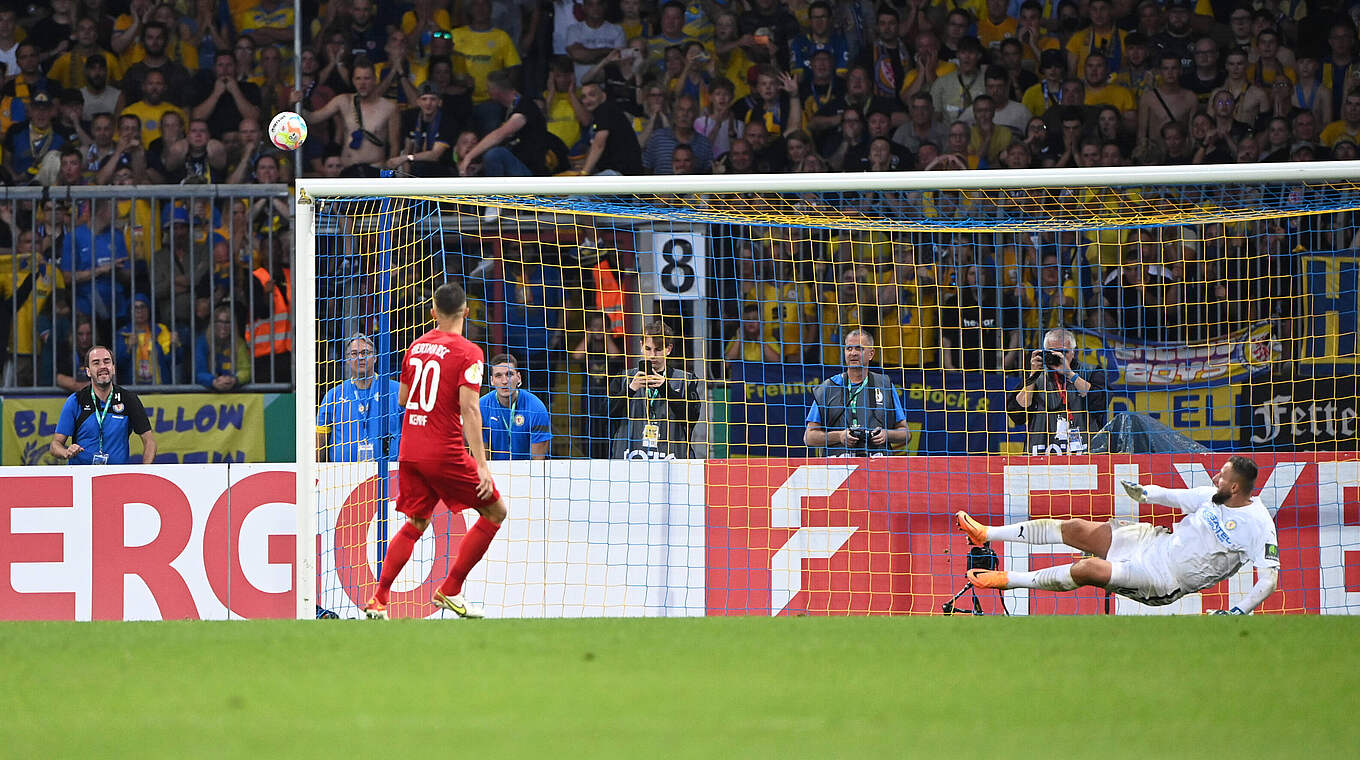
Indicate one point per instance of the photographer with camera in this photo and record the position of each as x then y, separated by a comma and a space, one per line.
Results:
662, 404
857, 412
1060, 402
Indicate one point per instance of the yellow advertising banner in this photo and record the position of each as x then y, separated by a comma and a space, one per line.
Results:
1208, 415
189, 427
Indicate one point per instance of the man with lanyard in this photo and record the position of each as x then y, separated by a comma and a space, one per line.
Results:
658, 406
858, 412
349, 423
98, 419
1058, 405
515, 422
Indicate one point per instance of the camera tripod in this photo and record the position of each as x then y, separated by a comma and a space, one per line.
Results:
979, 558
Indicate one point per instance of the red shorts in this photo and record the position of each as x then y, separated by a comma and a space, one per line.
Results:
422, 485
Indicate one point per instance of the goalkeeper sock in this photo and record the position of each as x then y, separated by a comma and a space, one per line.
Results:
1028, 532
470, 551
1049, 579
398, 552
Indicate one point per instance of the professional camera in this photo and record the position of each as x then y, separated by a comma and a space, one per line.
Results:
979, 558
1053, 359
862, 434
983, 558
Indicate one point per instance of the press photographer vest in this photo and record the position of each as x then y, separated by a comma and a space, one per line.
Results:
1054, 427
659, 426
872, 409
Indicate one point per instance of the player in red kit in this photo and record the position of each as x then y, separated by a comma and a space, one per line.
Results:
441, 383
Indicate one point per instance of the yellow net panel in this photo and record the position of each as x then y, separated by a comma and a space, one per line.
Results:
1022, 352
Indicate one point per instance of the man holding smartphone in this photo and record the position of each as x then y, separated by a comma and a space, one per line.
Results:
658, 405
1060, 402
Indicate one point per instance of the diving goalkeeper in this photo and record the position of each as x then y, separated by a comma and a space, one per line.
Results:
1224, 527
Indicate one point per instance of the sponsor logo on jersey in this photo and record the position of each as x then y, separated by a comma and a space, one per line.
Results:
1273, 552
474, 373
1217, 527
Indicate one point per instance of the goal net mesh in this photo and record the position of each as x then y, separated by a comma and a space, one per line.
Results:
1206, 320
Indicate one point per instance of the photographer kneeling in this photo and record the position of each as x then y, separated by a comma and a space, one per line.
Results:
1060, 402
858, 412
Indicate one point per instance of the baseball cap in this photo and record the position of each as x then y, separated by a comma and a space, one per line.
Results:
1182, 5
429, 89
40, 99
180, 215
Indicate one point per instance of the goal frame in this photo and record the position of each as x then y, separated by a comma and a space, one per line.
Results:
309, 191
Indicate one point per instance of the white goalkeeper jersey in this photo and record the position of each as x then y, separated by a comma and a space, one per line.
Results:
1213, 541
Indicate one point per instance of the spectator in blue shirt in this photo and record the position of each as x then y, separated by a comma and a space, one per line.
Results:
819, 36
222, 360
96, 262
349, 424
98, 419
514, 421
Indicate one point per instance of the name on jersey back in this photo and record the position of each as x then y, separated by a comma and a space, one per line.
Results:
430, 348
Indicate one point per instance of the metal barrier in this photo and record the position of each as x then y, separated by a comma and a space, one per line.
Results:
166, 276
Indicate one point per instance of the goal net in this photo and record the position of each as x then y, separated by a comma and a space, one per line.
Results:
839, 363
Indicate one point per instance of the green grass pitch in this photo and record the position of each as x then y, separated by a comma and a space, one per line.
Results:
1096, 687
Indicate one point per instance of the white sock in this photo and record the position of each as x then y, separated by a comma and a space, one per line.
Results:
1028, 532
1049, 579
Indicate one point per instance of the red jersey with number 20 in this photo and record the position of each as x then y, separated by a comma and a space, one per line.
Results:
436, 366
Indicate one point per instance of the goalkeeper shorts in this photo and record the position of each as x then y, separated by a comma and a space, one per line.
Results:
1143, 572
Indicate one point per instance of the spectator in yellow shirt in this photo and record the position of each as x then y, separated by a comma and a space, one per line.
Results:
996, 24
561, 104
69, 67
1348, 126
1102, 36
483, 47
1099, 91
153, 106
749, 344
268, 22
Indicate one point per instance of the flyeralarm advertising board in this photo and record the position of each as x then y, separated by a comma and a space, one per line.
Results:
613, 538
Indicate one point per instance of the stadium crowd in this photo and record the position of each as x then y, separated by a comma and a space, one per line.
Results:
136, 92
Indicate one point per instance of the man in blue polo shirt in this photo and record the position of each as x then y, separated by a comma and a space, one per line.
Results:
514, 421
98, 419
857, 412
349, 424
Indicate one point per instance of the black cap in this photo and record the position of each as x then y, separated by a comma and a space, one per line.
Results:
429, 89
40, 99
1050, 58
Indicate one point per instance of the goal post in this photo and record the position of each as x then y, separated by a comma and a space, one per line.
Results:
1208, 300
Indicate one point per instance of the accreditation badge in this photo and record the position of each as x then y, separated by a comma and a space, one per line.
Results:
651, 435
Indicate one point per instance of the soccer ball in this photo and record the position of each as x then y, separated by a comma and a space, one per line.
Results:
288, 131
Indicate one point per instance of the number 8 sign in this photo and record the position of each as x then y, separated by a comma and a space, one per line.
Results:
679, 265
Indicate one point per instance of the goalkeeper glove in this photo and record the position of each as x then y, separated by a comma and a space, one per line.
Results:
1233, 611
1135, 491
